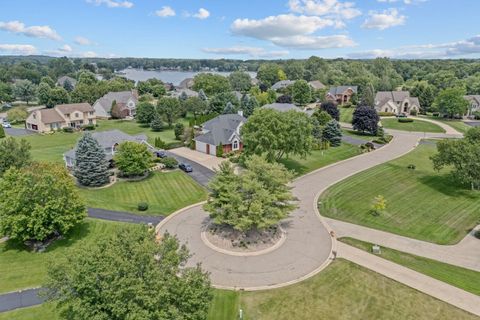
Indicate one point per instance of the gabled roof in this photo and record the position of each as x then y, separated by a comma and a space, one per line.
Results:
220, 129
48, 116
383, 97
282, 107
474, 97
71, 107
282, 84
119, 97
178, 92
186, 83
316, 85
341, 89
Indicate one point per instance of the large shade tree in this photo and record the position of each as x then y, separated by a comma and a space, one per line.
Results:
277, 134
91, 165
129, 275
451, 102
38, 201
132, 158
14, 153
257, 198
211, 83
365, 119
301, 92
169, 108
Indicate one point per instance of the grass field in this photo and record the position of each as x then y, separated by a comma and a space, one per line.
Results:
421, 203
358, 135
342, 291
416, 125
320, 158
51, 147
346, 114
456, 124
462, 278
165, 192
25, 269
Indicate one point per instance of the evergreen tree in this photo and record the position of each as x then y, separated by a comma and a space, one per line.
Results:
202, 95
183, 97
91, 165
252, 105
229, 108
244, 102
332, 133
322, 117
157, 123
331, 109
68, 86
178, 130
316, 130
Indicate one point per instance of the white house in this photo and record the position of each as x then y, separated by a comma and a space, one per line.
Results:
474, 104
125, 100
396, 102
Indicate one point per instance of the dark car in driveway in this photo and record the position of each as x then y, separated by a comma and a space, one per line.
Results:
161, 154
185, 167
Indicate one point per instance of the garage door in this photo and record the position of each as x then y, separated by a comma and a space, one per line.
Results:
201, 146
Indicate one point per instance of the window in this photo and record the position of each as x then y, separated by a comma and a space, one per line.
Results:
91, 113
34, 116
90, 121
77, 115
235, 144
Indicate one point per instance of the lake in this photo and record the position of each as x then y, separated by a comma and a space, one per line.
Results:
174, 77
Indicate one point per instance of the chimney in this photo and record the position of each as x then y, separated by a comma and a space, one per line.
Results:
240, 113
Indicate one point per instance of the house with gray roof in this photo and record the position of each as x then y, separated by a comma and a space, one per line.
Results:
474, 104
179, 92
397, 102
316, 85
186, 83
62, 80
223, 130
108, 140
285, 107
341, 94
282, 84
126, 101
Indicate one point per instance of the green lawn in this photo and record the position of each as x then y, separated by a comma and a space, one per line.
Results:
416, 125
421, 204
165, 192
342, 291
458, 125
358, 135
462, 278
346, 114
25, 269
320, 158
50, 147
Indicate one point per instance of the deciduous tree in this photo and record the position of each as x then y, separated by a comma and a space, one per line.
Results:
145, 112
169, 108
211, 83
365, 119
240, 81
14, 153
301, 92
132, 158
451, 102
331, 109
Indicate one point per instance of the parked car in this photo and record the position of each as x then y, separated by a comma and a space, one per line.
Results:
185, 167
6, 124
161, 154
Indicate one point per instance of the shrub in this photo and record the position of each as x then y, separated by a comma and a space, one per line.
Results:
169, 162
142, 206
477, 234
173, 145
413, 112
411, 166
88, 127
405, 120
219, 151
2, 132
386, 114
178, 130
68, 129
436, 114
159, 143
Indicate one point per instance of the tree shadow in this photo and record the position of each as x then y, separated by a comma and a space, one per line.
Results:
447, 185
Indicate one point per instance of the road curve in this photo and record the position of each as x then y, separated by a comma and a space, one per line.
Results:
308, 246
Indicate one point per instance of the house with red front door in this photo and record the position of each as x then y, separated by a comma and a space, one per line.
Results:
224, 131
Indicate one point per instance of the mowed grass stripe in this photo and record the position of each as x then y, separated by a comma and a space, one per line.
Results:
165, 192
421, 203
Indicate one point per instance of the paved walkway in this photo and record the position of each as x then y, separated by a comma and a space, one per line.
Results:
308, 245
435, 288
463, 254
20, 299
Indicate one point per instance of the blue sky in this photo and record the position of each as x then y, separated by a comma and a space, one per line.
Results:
241, 29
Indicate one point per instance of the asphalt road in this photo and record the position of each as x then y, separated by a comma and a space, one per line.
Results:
20, 299
122, 216
17, 132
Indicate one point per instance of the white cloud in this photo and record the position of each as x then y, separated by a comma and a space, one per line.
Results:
331, 8
202, 14
284, 25
89, 54
404, 1
33, 31
166, 11
82, 41
314, 42
384, 20
462, 48
66, 48
23, 49
243, 50
112, 3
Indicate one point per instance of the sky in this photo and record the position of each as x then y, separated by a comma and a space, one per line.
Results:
241, 29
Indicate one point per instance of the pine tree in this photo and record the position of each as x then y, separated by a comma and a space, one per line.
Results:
156, 124
229, 108
332, 133
91, 165
252, 105
202, 95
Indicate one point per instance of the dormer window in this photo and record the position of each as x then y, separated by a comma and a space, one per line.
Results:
34, 116
235, 145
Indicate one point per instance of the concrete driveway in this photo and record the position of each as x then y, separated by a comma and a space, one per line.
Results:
206, 160
200, 173
17, 132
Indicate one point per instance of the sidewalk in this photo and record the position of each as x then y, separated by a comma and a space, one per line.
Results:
437, 289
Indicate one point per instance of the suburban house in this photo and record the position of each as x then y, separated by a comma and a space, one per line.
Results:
282, 84
398, 102
62, 80
73, 115
188, 92
474, 104
341, 94
316, 85
284, 107
108, 140
125, 100
223, 130
186, 83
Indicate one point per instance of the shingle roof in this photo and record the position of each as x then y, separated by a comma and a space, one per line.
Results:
282, 107
69, 108
186, 83
475, 97
50, 116
120, 97
282, 84
190, 93
341, 89
316, 84
220, 129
